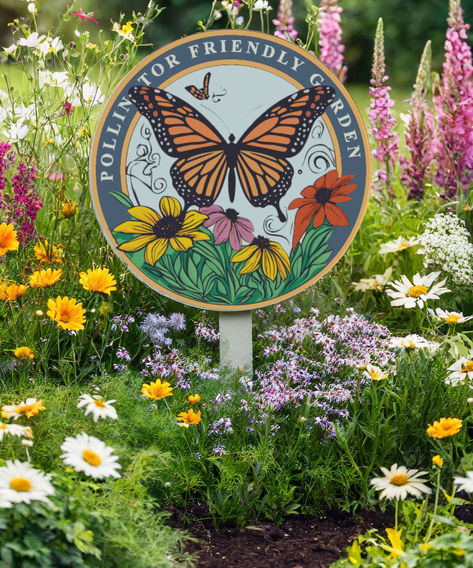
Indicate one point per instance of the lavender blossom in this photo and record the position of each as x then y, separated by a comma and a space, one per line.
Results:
220, 427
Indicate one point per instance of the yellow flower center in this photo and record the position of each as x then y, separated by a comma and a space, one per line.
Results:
416, 291
452, 318
403, 245
3, 426
20, 484
99, 403
399, 479
91, 457
468, 367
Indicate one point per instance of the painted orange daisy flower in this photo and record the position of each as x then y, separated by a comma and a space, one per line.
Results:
8, 240
265, 253
320, 202
155, 232
67, 313
98, 280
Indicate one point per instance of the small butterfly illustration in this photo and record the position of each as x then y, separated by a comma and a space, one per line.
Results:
201, 94
204, 157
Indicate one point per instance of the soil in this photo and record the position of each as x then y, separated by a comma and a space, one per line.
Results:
300, 542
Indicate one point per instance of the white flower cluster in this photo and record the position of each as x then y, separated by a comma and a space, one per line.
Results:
446, 243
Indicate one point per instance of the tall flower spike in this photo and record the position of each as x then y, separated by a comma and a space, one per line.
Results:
453, 100
330, 33
381, 118
420, 133
285, 20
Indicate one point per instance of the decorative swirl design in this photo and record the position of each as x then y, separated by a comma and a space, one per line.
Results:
320, 158
141, 169
318, 129
273, 226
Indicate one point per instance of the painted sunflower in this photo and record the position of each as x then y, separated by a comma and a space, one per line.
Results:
156, 232
265, 253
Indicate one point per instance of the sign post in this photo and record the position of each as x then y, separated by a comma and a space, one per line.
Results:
236, 340
230, 170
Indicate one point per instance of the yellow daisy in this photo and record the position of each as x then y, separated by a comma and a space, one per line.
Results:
190, 417
8, 240
444, 428
98, 280
157, 390
45, 278
66, 313
155, 232
69, 209
265, 253
12, 292
47, 253
23, 353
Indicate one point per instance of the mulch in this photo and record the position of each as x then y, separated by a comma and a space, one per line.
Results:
300, 542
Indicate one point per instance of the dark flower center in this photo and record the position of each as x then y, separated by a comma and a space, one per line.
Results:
323, 195
232, 215
261, 242
167, 227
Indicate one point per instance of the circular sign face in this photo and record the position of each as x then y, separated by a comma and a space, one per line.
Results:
230, 170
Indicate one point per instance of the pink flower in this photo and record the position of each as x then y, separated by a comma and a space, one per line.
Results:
453, 100
80, 14
284, 21
68, 107
330, 32
380, 115
228, 226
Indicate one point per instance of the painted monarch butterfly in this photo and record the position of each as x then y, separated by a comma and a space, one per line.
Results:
201, 94
204, 157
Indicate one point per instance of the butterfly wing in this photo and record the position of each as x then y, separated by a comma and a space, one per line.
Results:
201, 94
182, 132
280, 132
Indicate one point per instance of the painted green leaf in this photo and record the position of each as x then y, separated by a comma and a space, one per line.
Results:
122, 198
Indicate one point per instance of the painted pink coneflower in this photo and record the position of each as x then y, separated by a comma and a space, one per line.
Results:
228, 226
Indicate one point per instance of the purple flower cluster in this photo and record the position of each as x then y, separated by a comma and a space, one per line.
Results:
453, 100
206, 332
220, 427
122, 353
330, 33
122, 322
173, 364
284, 22
21, 205
156, 327
380, 116
328, 378
220, 450
420, 133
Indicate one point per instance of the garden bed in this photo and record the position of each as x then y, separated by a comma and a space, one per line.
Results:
300, 542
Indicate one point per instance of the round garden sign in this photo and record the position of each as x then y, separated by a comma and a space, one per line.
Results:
230, 170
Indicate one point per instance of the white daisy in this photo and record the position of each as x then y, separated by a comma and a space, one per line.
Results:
399, 482
33, 40
399, 244
449, 317
374, 373
465, 483
376, 282
15, 430
90, 455
260, 5
97, 406
412, 341
461, 370
414, 294
22, 483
